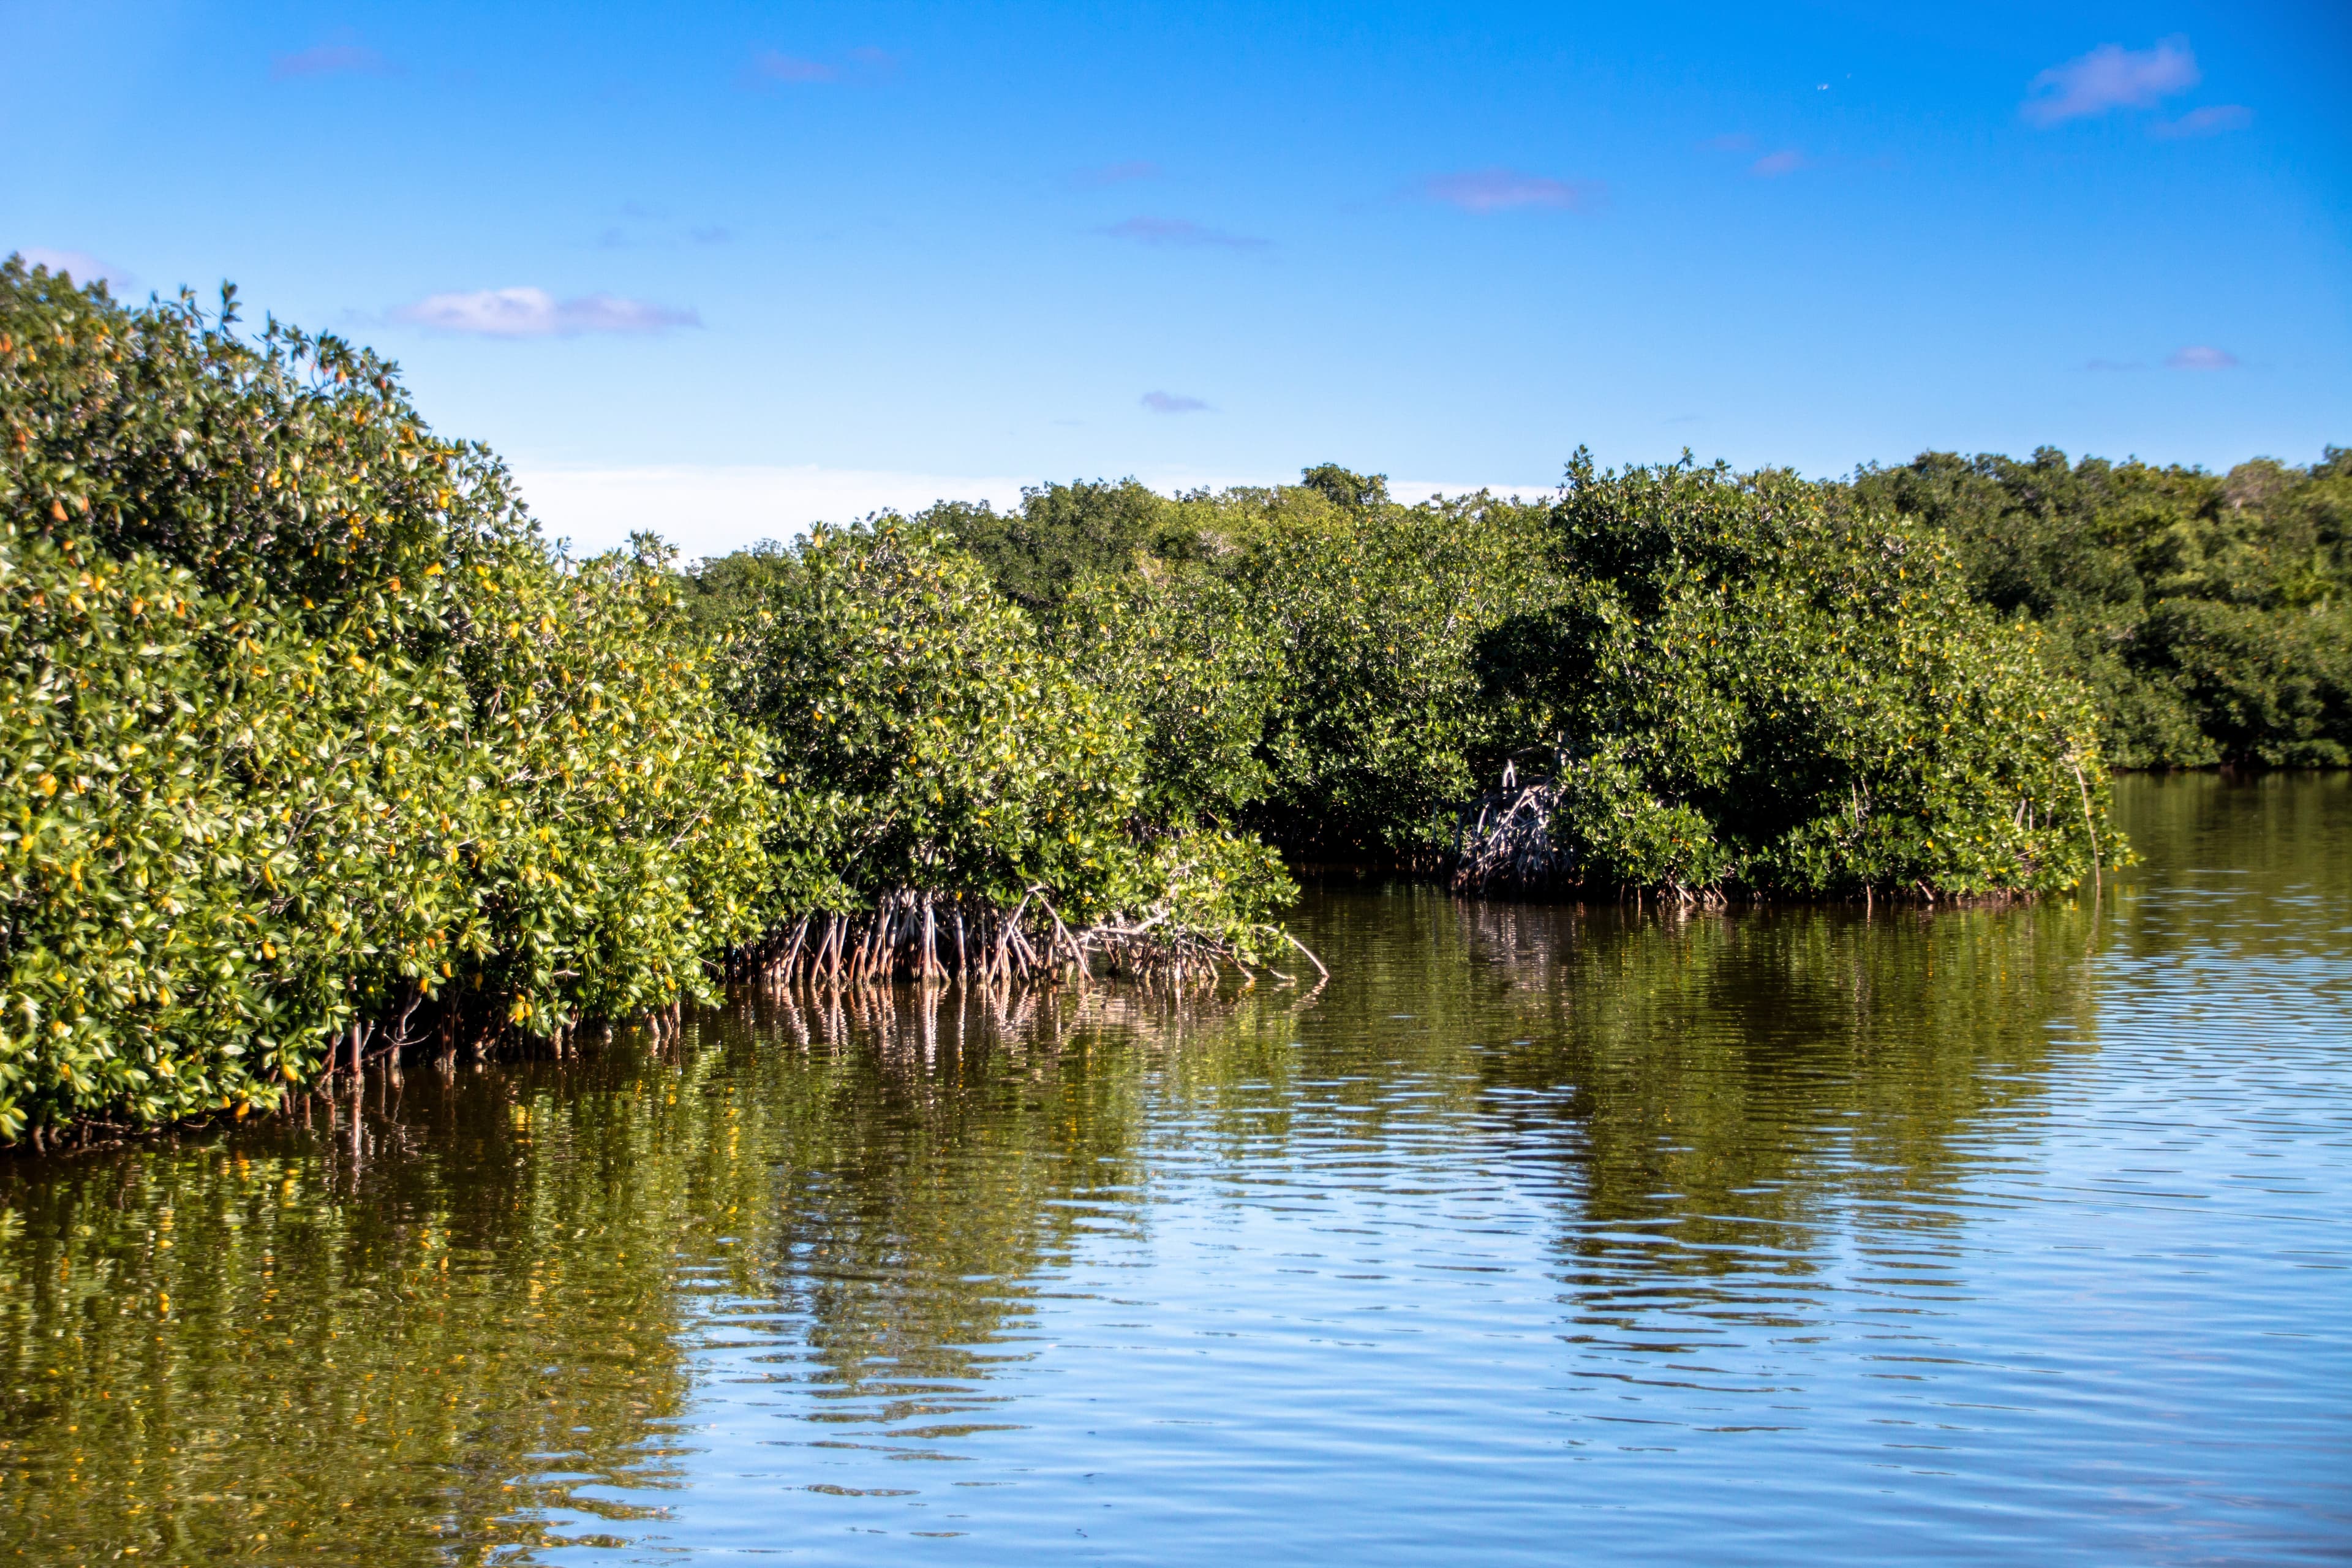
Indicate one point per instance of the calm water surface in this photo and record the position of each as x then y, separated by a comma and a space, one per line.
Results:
1536, 1236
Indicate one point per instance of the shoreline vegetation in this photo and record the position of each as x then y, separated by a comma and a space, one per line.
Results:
320, 751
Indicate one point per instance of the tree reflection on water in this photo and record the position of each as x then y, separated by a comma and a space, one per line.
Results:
479, 1324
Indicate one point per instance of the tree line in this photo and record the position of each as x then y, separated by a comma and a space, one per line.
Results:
2207, 613
319, 748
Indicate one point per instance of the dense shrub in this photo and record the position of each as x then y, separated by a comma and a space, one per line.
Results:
1302, 652
933, 756
2204, 611
1181, 647
1061, 534
1712, 683
148, 974
2272, 687
289, 467
1380, 725
310, 733
314, 741
1734, 691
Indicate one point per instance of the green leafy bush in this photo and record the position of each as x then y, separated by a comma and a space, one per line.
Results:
1737, 691
312, 737
2204, 611
1381, 721
2272, 687
935, 759
1301, 653
1184, 649
315, 744
1062, 534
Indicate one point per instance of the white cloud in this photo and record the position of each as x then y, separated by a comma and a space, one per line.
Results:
536, 314
2201, 356
710, 511
1173, 402
2109, 77
1772, 165
80, 265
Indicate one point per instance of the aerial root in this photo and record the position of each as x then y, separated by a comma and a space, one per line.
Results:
932, 939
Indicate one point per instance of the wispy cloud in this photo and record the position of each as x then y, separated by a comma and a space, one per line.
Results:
2201, 356
1499, 189
1180, 232
647, 226
329, 60
1110, 175
1772, 165
536, 314
2213, 120
80, 264
773, 67
768, 67
2110, 78
1171, 403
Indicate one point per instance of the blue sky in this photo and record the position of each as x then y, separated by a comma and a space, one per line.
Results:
716, 269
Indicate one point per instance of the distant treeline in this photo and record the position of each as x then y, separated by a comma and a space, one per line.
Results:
317, 749
1677, 678
2209, 615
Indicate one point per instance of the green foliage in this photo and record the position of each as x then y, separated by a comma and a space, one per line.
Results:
230, 839
1061, 533
1749, 695
309, 730
1351, 492
1381, 723
617, 816
147, 972
1184, 650
2205, 611
927, 740
289, 464
1744, 692
1300, 654
2272, 687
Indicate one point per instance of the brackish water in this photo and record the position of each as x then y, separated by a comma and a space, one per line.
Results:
1536, 1236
